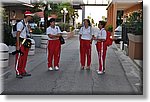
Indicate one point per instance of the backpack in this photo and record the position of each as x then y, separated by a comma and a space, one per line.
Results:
109, 40
14, 28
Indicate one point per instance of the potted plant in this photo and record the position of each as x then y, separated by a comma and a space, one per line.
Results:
109, 28
134, 26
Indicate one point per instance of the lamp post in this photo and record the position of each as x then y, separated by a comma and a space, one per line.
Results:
64, 11
73, 18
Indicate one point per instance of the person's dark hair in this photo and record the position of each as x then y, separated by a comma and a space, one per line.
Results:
50, 21
89, 23
103, 23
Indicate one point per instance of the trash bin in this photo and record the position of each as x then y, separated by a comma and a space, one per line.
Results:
4, 55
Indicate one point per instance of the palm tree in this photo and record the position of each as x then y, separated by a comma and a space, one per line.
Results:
55, 9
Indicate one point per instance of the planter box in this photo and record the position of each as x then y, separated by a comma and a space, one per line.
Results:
135, 46
37, 39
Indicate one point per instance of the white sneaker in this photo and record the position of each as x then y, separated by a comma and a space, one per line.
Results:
50, 69
99, 72
56, 68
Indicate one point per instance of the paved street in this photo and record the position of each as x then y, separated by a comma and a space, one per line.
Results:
70, 79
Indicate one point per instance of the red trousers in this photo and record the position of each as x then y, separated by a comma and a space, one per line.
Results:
101, 50
21, 60
85, 51
54, 49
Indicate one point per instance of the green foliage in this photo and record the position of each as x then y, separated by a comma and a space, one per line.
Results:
66, 26
7, 36
92, 21
79, 26
109, 28
4, 15
36, 19
37, 30
72, 28
134, 23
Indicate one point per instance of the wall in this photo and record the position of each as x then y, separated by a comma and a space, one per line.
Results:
133, 8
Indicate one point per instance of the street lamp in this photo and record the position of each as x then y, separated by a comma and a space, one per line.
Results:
64, 11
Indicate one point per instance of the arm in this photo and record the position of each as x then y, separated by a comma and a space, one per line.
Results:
54, 36
50, 35
80, 37
80, 33
17, 40
19, 30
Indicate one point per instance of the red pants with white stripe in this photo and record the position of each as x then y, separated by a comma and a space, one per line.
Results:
21, 60
54, 49
85, 51
101, 50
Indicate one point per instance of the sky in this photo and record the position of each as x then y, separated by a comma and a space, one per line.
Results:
95, 12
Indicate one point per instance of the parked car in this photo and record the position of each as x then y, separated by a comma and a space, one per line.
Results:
33, 25
118, 34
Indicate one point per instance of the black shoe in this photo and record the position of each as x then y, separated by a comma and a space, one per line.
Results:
82, 68
19, 76
88, 68
26, 74
104, 71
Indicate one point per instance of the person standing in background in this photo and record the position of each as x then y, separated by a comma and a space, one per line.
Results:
101, 47
85, 37
21, 50
54, 45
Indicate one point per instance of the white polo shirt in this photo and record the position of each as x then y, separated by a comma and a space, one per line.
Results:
24, 29
86, 33
53, 31
101, 34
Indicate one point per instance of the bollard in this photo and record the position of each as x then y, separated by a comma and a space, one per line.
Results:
32, 49
44, 40
121, 42
4, 55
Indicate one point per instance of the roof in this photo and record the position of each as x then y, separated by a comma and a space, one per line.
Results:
41, 15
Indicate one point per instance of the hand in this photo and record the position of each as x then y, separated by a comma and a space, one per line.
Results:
18, 51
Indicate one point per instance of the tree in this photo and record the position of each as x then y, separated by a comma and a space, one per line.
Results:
88, 17
92, 21
55, 9
103, 18
36, 19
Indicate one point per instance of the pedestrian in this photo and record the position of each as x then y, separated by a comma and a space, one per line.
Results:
85, 37
22, 47
101, 46
54, 45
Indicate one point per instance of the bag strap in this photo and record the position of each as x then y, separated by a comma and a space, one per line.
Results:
24, 26
57, 29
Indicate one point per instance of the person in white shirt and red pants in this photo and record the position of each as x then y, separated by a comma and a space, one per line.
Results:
85, 43
54, 45
21, 50
101, 47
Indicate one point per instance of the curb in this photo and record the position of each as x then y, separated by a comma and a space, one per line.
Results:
132, 71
